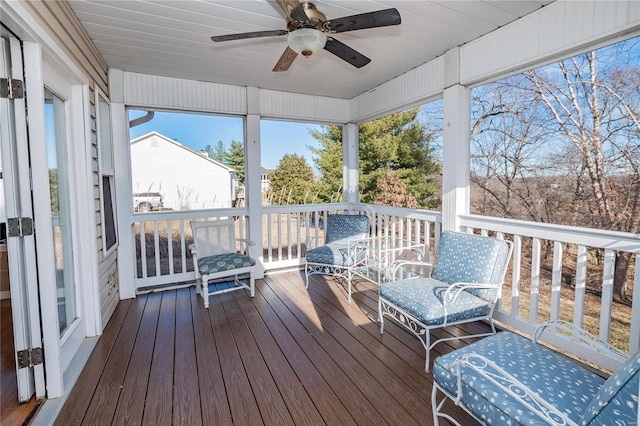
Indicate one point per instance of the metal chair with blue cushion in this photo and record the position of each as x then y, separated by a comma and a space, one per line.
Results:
337, 255
463, 286
217, 254
508, 379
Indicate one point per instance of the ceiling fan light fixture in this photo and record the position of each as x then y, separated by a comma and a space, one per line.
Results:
306, 41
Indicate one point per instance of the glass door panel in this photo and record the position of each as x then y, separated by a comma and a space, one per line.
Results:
59, 185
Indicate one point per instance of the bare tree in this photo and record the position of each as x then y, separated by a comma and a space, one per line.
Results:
595, 107
562, 144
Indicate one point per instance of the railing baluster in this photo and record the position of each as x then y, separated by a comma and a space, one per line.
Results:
634, 339
183, 246
515, 281
427, 241
170, 245
299, 234
556, 281
279, 226
156, 245
606, 297
581, 282
143, 248
535, 280
269, 238
289, 248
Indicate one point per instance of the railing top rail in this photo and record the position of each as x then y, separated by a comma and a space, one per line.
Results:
430, 215
187, 214
305, 207
614, 240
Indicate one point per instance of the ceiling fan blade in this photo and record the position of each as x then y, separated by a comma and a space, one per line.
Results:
346, 53
293, 9
255, 34
285, 60
381, 18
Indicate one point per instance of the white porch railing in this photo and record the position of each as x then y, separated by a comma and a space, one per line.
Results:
563, 272
286, 230
558, 272
161, 242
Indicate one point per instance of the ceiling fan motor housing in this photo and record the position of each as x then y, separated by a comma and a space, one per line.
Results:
315, 19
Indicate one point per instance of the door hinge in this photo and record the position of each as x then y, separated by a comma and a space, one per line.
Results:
19, 226
11, 88
30, 357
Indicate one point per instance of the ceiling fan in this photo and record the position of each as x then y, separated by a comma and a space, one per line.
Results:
307, 30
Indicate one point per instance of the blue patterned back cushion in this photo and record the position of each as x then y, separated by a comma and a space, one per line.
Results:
471, 258
343, 226
617, 401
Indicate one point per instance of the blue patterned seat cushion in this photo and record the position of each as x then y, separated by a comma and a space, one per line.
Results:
423, 298
560, 381
471, 258
617, 401
224, 262
336, 253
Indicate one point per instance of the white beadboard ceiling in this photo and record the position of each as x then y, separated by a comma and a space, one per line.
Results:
172, 38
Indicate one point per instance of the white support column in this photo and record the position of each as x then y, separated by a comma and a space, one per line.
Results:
252, 165
122, 180
455, 156
350, 167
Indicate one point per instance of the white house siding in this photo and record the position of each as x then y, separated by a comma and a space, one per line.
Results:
185, 178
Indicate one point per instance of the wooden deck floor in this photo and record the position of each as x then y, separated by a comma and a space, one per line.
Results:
289, 356
11, 411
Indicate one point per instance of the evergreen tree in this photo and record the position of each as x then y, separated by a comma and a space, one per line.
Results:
292, 182
397, 143
217, 153
328, 160
234, 158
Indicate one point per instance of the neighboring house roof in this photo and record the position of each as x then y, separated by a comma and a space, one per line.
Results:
264, 171
178, 144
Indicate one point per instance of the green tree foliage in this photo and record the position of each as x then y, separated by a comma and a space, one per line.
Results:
328, 159
234, 158
397, 143
292, 182
217, 152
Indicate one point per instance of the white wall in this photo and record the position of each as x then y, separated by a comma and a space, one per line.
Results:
186, 179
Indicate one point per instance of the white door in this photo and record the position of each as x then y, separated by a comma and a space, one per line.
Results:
58, 99
19, 213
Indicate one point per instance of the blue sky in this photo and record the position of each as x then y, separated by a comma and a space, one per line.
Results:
199, 130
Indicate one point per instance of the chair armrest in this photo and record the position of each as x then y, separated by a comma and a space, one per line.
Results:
247, 244
454, 290
308, 240
397, 264
193, 249
508, 384
580, 335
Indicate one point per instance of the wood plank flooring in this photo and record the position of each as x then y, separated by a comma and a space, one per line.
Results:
289, 356
11, 411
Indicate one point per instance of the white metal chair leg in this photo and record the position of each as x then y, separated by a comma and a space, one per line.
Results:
436, 408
